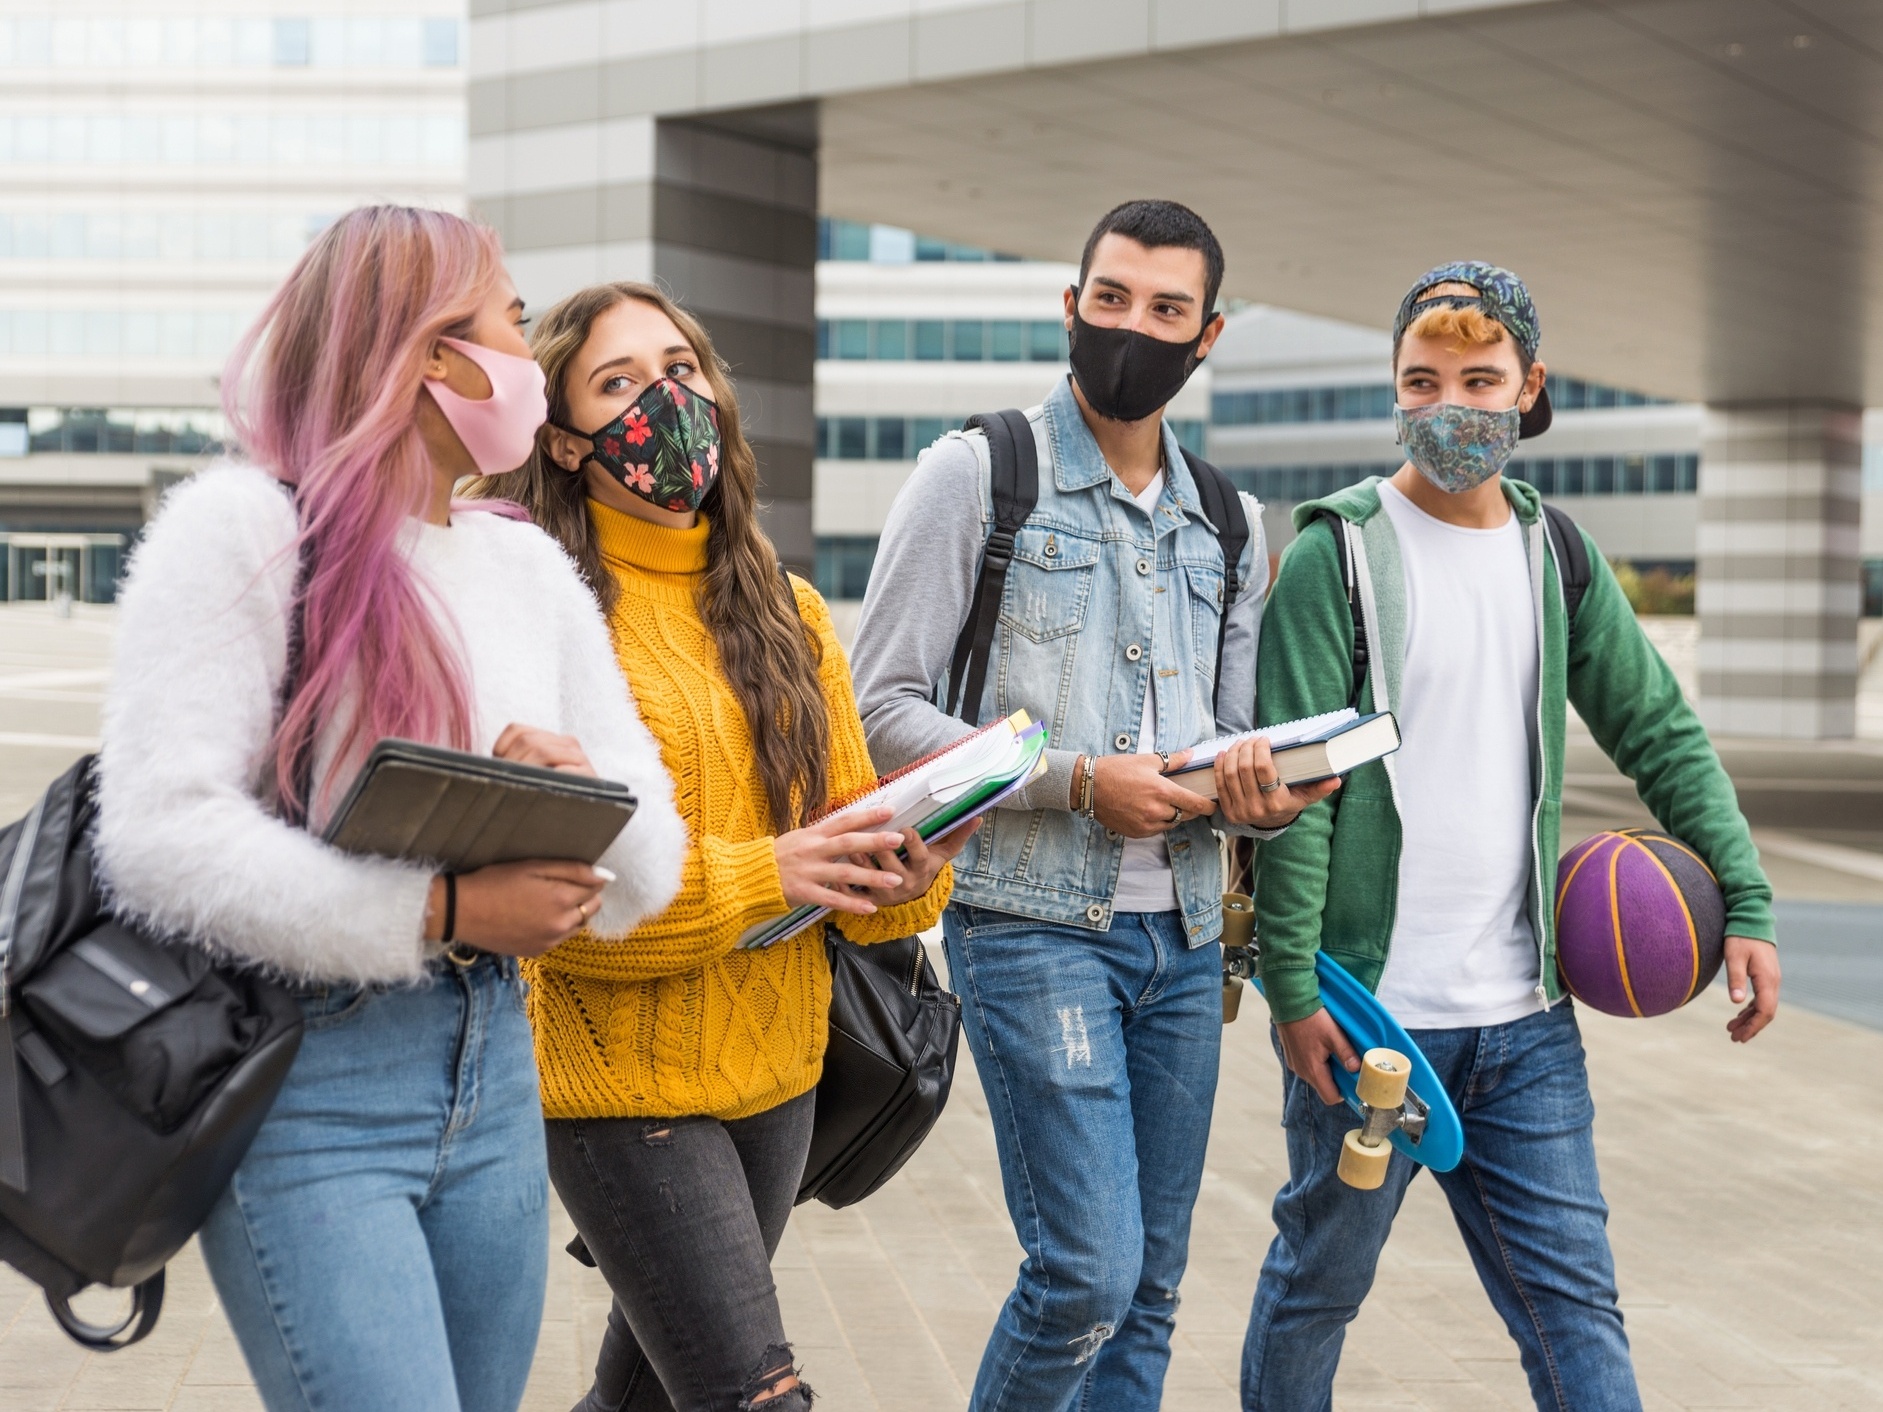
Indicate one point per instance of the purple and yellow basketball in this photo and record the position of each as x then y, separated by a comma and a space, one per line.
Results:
1640, 924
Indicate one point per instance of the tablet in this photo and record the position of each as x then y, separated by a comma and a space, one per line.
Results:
462, 811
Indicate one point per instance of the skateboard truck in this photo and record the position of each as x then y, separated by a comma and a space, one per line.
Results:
1242, 958
1385, 1108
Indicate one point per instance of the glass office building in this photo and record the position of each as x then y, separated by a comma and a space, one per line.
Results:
161, 168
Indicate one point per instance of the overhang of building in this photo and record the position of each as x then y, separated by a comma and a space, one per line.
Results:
1690, 186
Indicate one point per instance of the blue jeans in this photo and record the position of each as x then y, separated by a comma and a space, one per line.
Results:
385, 1242
1526, 1199
1098, 1054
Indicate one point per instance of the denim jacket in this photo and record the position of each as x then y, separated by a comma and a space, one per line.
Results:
1097, 599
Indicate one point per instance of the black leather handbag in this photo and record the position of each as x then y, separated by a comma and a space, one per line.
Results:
891, 1061
134, 1073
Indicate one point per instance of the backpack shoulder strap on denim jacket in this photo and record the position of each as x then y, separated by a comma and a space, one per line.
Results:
1014, 466
1224, 508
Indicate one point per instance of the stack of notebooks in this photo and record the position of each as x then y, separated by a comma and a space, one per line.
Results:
1317, 748
933, 796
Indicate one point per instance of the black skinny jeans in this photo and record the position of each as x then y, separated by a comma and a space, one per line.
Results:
682, 1216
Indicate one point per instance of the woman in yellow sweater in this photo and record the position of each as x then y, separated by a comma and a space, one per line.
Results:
678, 1071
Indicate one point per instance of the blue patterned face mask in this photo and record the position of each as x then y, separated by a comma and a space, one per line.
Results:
1457, 448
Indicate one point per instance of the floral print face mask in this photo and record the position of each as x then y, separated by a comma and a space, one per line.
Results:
1457, 448
664, 447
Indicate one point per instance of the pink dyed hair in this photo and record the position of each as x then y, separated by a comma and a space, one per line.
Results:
323, 391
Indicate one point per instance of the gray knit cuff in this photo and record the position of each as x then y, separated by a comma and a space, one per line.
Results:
1052, 790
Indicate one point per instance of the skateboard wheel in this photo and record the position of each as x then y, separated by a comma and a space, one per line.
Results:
1238, 919
1381, 1082
1362, 1167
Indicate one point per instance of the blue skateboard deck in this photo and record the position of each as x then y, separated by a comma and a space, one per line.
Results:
1369, 1025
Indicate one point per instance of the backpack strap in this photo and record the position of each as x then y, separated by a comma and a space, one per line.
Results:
1349, 582
146, 1305
1224, 508
1572, 560
1014, 481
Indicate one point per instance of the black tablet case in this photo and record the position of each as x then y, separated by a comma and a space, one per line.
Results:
464, 811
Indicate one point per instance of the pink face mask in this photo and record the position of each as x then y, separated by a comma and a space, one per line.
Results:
500, 430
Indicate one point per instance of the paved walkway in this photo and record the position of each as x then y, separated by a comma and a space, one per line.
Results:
1743, 1181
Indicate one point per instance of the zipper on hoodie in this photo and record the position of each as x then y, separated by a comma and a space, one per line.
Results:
1542, 775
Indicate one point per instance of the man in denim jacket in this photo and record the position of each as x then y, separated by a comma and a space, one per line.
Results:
1082, 936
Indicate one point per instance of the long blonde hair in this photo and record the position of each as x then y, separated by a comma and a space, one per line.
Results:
770, 660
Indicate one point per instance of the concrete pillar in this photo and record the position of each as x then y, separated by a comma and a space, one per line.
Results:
1778, 594
721, 211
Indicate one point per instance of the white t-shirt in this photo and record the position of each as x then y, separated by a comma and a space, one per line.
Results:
1463, 951
1145, 883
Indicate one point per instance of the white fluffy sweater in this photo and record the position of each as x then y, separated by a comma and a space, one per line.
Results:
185, 841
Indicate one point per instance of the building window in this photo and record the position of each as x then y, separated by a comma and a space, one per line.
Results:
221, 41
113, 333
843, 564
852, 339
890, 340
441, 43
293, 45
236, 137
101, 431
1374, 402
1296, 483
1190, 434
1873, 588
943, 340
1660, 474
882, 438
838, 239
1046, 341
219, 236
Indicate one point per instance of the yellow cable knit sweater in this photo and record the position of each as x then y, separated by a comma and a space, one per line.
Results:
672, 1021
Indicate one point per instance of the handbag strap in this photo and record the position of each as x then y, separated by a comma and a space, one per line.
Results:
146, 1305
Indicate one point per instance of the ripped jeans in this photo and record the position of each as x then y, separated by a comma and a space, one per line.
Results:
1098, 1055
682, 1215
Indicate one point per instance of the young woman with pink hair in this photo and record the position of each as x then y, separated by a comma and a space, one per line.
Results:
384, 1243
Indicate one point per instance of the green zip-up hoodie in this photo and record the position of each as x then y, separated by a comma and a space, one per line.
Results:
1332, 880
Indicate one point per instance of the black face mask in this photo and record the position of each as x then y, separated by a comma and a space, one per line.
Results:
1126, 375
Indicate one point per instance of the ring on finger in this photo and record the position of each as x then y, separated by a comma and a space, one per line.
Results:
1176, 814
1270, 787
1164, 759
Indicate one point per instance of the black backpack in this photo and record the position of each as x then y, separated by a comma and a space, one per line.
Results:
1572, 566
134, 1073
1015, 485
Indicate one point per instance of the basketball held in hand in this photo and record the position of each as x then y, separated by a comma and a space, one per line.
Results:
1640, 923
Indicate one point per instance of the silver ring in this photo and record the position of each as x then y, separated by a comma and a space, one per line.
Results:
1268, 788
1176, 815
1164, 756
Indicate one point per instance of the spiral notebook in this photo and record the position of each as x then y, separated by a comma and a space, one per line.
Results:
933, 795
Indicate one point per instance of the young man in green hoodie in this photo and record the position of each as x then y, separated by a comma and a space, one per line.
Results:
1430, 875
